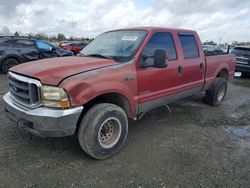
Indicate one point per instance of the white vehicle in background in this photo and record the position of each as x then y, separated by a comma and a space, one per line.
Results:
63, 43
205, 47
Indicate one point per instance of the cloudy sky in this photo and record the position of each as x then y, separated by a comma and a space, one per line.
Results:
213, 19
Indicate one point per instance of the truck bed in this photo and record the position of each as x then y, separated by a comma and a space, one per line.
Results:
216, 63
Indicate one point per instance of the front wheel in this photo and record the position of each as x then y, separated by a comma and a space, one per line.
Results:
103, 130
217, 92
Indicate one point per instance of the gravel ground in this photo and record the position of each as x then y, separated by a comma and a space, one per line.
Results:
193, 146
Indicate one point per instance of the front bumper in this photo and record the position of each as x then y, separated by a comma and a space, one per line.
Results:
43, 121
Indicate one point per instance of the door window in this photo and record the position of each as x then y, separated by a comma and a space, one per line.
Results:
6, 42
24, 44
160, 40
43, 46
189, 46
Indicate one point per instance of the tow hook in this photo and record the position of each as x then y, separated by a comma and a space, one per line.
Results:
24, 123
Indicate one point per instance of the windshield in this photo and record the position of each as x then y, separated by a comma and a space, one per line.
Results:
118, 45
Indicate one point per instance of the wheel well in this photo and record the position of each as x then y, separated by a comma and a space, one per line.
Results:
114, 98
223, 74
10, 57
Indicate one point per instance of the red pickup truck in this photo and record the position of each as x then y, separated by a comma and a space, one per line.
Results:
120, 75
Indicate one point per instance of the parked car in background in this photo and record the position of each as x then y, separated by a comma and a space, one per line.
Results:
17, 50
242, 60
75, 47
215, 50
205, 47
63, 43
121, 74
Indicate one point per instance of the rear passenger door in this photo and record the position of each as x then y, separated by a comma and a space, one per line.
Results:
193, 64
26, 50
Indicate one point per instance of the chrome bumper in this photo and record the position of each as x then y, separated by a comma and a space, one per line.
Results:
42, 121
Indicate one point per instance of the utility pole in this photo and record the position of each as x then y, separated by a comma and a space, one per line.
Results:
72, 25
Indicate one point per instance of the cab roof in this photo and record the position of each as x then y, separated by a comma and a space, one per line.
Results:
151, 29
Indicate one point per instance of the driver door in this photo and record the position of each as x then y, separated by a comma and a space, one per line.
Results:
154, 84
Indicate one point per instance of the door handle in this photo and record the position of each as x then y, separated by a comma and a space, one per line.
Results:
201, 67
180, 70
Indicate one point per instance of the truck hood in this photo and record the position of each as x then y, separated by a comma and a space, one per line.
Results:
52, 71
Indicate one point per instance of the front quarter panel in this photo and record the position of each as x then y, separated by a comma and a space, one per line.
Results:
86, 86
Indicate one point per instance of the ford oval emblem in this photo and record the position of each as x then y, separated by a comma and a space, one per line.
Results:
15, 89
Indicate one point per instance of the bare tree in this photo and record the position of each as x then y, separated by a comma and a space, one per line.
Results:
6, 31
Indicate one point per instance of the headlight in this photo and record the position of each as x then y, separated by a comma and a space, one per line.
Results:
55, 97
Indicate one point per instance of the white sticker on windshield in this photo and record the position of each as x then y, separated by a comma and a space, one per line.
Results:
130, 38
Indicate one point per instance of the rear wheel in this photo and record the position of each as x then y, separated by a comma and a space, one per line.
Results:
103, 130
8, 63
217, 92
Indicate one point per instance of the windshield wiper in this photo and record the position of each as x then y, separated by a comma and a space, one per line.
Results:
99, 55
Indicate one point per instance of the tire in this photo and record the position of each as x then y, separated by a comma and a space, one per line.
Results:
103, 130
8, 63
217, 92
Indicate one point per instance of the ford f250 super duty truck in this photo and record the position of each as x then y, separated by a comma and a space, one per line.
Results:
120, 75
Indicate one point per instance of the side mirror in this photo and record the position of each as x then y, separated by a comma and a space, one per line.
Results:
160, 58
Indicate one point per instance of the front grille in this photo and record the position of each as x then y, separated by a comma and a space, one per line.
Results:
24, 90
242, 60
242, 57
